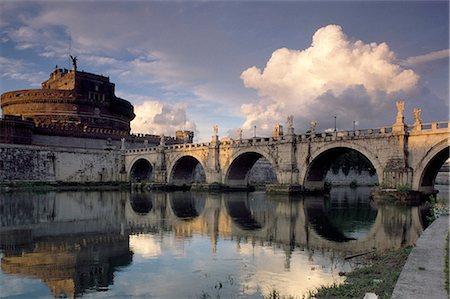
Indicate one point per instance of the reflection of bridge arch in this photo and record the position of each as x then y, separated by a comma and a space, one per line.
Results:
236, 174
181, 172
141, 170
141, 202
241, 214
185, 207
324, 224
275, 220
428, 167
390, 229
313, 174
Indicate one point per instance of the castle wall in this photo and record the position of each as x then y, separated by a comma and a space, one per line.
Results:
102, 141
29, 163
14, 129
75, 142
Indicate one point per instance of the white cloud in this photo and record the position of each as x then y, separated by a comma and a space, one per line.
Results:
154, 117
432, 56
19, 70
334, 76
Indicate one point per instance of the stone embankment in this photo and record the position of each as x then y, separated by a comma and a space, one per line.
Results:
423, 274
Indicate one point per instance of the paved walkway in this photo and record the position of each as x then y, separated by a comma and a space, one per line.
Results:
423, 274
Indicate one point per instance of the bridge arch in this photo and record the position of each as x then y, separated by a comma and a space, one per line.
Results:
236, 174
141, 170
312, 175
183, 169
428, 167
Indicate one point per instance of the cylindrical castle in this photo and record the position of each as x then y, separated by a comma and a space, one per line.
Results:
72, 100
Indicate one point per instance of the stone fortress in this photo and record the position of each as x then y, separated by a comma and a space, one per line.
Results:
69, 130
72, 103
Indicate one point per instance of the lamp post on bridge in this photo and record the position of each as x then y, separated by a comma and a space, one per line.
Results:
354, 125
335, 123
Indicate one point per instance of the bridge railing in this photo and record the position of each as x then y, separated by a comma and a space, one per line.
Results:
430, 126
349, 134
305, 137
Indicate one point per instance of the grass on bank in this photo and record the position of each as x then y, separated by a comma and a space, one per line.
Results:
379, 277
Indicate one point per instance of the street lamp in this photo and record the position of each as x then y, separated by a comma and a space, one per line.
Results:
254, 131
335, 123
354, 123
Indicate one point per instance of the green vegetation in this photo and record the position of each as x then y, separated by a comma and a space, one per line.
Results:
352, 160
437, 208
379, 277
274, 294
405, 188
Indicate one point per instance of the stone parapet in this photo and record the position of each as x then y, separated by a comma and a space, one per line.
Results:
14, 129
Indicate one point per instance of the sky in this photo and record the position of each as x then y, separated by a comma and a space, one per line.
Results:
240, 64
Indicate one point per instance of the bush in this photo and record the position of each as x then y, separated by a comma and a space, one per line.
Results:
404, 188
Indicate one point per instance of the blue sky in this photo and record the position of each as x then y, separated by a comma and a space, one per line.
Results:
240, 64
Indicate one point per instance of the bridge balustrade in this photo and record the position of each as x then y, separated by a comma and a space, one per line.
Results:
442, 125
318, 137
305, 137
429, 126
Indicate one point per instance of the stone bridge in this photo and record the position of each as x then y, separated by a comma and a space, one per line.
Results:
400, 155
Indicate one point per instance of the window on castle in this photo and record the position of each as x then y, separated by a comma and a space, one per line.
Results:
96, 96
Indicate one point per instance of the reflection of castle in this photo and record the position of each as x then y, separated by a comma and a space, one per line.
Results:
71, 103
72, 265
72, 241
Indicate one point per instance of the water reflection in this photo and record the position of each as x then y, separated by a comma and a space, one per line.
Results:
347, 214
189, 244
70, 241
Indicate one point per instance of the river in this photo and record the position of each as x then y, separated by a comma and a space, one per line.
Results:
119, 244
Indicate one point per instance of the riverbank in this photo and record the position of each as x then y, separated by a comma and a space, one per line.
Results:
63, 186
378, 276
411, 272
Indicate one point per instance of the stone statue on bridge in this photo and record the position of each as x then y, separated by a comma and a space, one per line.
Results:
400, 110
290, 125
216, 130
417, 118
313, 124
290, 121
215, 137
162, 141
239, 131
